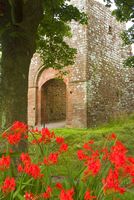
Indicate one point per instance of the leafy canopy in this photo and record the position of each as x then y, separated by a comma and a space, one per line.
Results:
52, 29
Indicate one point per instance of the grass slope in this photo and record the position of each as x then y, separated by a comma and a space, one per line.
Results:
124, 129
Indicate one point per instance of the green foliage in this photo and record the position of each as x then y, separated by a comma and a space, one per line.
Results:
124, 12
53, 22
124, 9
128, 36
51, 44
129, 62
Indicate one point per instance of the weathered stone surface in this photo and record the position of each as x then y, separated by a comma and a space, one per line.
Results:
53, 101
98, 87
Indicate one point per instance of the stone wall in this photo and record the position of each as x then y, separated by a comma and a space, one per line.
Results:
106, 74
98, 87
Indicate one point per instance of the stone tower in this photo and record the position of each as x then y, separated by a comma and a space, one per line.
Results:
97, 87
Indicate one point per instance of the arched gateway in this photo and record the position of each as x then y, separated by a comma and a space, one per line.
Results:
53, 101
47, 95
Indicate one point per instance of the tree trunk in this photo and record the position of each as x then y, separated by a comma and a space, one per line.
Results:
14, 86
14, 82
18, 46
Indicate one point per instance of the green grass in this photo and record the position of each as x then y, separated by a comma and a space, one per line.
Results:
70, 166
124, 129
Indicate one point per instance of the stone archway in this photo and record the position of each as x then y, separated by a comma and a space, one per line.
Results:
53, 101
75, 92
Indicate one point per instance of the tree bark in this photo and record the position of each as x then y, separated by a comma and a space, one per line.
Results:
18, 46
15, 64
14, 82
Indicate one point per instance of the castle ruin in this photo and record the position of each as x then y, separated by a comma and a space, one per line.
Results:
97, 87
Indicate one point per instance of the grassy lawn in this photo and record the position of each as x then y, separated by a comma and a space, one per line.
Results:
124, 129
70, 166
122, 125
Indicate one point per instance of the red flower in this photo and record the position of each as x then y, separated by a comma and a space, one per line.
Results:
118, 154
25, 158
59, 140
29, 168
14, 138
16, 133
63, 147
47, 194
93, 166
10, 150
46, 162
8, 185
91, 142
33, 170
5, 162
111, 182
53, 158
59, 186
20, 168
129, 169
46, 136
132, 180
81, 155
67, 194
88, 196
19, 126
112, 136
130, 159
87, 147
29, 196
